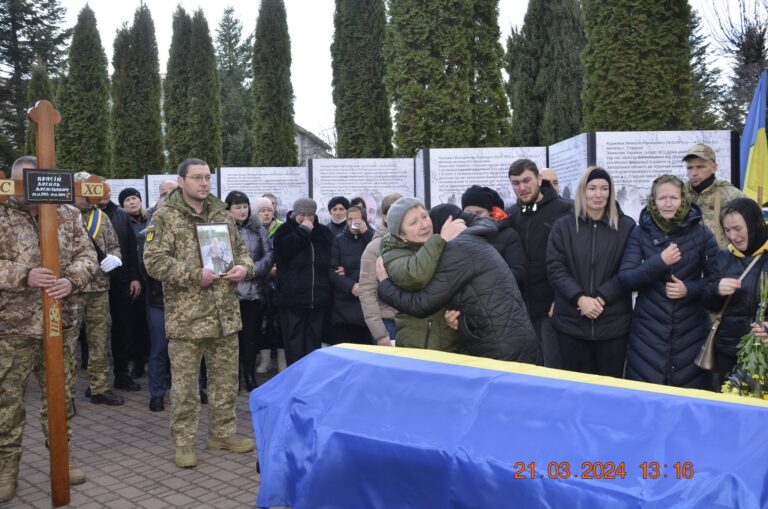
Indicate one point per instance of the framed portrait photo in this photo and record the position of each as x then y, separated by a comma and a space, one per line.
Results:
215, 247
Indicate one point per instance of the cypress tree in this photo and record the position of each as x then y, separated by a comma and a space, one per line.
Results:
30, 30
39, 88
428, 77
705, 89
137, 137
560, 76
490, 112
274, 135
83, 134
234, 58
175, 94
203, 94
545, 73
363, 123
637, 73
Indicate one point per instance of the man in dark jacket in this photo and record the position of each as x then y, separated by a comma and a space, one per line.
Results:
538, 207
302, 255
124, 289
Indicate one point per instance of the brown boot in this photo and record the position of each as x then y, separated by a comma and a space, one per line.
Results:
9, 472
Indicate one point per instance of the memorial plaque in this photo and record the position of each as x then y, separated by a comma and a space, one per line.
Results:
48, 186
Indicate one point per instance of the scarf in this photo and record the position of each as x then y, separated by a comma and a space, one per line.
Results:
666, 225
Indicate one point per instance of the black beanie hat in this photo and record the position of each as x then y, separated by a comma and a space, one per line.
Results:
598, 173
483, 197
236, 198
126, 193
338, 200
439, 215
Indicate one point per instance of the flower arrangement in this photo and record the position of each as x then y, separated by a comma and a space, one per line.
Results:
750, 376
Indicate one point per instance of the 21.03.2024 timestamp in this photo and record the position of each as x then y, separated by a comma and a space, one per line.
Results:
603, 470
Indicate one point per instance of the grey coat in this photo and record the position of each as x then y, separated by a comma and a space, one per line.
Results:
259, 246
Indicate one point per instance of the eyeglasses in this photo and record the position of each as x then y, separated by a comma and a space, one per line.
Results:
199, 178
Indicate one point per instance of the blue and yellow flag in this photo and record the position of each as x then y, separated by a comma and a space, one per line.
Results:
754, 146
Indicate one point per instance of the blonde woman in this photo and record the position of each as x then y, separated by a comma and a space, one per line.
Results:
592, 311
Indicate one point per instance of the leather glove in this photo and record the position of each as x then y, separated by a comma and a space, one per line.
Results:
110, 263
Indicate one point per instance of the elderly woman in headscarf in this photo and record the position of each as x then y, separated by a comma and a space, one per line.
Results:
744, 227
669, 261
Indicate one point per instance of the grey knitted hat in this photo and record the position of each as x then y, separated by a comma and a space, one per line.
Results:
397, 212
304, 206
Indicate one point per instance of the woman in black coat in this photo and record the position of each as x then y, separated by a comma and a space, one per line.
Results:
669, 261
592, 311
302, 248
743, 224
472, 278
348, 323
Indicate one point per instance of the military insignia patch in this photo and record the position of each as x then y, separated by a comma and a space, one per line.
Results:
150, 232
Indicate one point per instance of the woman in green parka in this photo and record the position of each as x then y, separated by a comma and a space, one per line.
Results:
411, 253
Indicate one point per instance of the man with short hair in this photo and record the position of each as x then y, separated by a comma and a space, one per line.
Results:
536, 210
22, 281
708, 191
549, 174
202, 314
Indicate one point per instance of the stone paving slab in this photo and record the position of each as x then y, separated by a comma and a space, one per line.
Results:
127, 455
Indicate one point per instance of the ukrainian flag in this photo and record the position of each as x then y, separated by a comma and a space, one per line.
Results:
754, 146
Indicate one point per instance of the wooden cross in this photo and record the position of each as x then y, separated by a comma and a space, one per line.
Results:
46, 117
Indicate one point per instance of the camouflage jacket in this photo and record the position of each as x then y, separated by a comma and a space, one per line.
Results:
171, 255
710, 211
21, 307
106, 239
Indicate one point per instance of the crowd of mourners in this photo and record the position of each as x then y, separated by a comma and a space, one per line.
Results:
571, 284
575, 285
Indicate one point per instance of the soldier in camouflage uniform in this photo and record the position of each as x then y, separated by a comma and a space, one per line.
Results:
202, 315
708, 192
93, 300
21, 316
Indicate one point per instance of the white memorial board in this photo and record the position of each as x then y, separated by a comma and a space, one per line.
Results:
635, 159
287, 183
153, 187
453, 170
117, 185
569, 158
370, 179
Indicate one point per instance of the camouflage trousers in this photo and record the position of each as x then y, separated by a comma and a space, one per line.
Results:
221, 361
94, 312
20, 357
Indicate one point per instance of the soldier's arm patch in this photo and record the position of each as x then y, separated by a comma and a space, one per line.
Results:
150, 233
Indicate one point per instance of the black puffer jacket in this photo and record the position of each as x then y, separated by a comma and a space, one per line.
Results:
259, 247
533, 226
742, 307
667, 334
302, 258
586, 262
346, 252
473, 278
508, 244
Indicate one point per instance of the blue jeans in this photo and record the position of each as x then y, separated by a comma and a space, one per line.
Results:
389, 323
159, 364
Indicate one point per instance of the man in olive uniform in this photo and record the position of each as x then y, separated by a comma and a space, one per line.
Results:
708, 191
93, 309
202, 314
22, 281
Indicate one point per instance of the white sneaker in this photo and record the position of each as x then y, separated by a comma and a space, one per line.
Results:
281, 364
263, 366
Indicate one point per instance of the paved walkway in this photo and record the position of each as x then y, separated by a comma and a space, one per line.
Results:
127, 455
